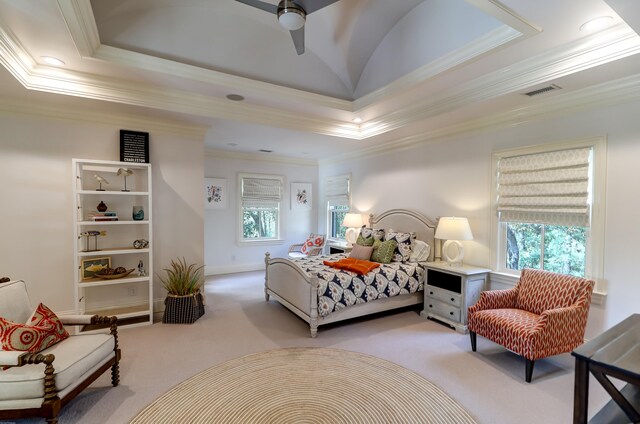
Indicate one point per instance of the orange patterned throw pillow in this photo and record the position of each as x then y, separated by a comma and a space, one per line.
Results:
314, 240
44, 329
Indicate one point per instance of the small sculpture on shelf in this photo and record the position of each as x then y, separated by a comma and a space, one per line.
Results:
94, 234
138, 213
101, 180
124, 172
141, 270
140, 244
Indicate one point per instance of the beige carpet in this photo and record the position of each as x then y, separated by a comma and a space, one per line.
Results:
305, 385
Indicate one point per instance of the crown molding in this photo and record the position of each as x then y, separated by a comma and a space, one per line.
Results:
261, 157
606, 94
82, 115
79, 18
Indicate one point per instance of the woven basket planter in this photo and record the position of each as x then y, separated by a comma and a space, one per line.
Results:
183, 309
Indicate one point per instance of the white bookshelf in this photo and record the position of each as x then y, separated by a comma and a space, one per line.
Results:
129, 298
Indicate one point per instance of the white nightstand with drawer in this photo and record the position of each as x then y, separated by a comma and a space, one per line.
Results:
450, 290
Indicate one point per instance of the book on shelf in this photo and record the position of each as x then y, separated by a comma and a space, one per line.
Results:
104, 218
106, 213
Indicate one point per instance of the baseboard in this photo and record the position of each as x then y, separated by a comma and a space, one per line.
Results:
231, 269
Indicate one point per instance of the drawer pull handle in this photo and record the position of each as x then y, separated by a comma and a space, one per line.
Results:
452, 299
450, 313
430, 292
431, 306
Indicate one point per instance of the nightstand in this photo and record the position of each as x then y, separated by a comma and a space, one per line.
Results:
338, 248
450, 290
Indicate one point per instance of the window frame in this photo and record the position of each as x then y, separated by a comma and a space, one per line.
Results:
343, 198
240, 227
594, 259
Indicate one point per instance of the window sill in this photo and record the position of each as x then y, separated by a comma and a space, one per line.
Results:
270, 242
501, 278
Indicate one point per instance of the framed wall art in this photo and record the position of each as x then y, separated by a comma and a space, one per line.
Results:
89, 267
216, 195
301, 196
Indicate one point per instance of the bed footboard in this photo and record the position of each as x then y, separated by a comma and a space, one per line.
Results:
290, 286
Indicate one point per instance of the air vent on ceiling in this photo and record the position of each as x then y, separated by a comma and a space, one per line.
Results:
265, 151
546, 89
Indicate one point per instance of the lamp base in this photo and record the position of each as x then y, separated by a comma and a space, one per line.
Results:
351, 235
450, 248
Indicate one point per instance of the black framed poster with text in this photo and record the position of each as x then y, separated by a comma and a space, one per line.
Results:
134, 146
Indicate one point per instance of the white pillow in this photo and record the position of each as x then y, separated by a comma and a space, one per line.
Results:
420, 251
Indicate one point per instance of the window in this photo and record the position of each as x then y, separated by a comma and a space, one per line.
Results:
548, 203
260, 205
337, 191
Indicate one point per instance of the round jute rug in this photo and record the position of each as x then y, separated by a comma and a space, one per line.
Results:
305, 385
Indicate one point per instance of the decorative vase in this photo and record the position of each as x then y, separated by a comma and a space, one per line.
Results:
101, 207
138, 213
183, 309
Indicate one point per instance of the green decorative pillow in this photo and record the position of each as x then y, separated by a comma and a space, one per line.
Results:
383, 251
361, 241
368, 235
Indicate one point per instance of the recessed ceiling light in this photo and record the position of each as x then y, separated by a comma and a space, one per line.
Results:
232, 144
596, 24
265, 151
235, 97
52, 61
357, 120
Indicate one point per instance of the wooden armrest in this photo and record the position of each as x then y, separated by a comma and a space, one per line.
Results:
76, 319
295, 247
17, 358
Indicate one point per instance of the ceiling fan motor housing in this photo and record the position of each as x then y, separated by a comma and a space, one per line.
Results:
291, 15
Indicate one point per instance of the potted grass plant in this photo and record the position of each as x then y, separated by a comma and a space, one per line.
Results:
184, 303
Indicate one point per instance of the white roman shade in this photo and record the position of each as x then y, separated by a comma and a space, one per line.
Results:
261, 192
548, 188
337, 189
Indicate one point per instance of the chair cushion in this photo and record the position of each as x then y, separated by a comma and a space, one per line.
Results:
314, 240
43, 330
510, 328
540, 290
74, 357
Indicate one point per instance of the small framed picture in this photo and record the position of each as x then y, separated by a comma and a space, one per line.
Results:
301, 196
89, 267
215, 193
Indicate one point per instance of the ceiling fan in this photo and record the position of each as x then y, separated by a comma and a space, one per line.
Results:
291, 15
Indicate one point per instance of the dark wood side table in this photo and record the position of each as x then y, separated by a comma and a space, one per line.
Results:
614, 353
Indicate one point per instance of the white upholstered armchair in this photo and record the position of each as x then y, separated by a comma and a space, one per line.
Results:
311, 247
41, 383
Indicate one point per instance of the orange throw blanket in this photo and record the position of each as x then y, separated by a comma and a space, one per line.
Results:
359, 266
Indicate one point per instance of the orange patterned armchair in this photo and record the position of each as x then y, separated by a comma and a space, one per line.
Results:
545, 314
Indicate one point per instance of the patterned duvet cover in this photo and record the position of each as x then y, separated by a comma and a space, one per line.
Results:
339, 289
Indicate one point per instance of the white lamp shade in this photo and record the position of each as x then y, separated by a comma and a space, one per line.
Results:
352, 220
453, 228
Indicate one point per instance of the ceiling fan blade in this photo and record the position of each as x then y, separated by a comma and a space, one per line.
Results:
298, 40
311, 6
267, 7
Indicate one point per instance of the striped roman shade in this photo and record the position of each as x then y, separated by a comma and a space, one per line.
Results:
337, 189
261, 192
547, 188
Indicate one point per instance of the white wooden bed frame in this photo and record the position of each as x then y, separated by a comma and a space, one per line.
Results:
290, 286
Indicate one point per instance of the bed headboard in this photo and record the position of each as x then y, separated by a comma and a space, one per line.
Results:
409, 221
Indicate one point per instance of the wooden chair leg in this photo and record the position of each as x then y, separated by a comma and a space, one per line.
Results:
473, 337
528, 370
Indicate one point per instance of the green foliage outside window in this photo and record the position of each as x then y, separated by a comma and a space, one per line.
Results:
336, 216
563, 249
259, 223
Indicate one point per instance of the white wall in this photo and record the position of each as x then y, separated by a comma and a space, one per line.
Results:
453, 177
36, 199
223, 254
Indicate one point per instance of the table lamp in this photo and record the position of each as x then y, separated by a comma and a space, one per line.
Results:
353, 222
452, 229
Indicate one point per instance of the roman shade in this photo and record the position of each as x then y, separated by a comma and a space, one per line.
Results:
547, 188
337, 189
261, 192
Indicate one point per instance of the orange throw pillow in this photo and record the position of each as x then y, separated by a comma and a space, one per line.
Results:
359, 266
44, 329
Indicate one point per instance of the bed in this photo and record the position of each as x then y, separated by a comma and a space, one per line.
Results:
297, 286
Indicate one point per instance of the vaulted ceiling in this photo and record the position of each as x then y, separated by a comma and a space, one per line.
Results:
409, 69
